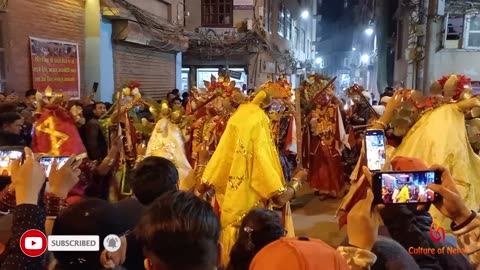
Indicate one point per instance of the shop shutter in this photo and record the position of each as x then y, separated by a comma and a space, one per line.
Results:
153, 69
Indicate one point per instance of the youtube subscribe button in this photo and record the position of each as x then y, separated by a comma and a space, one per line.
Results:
73, 243
33, 243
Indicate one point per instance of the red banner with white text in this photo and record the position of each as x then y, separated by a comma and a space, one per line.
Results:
55, 65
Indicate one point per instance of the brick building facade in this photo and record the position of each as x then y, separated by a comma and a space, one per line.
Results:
57, 20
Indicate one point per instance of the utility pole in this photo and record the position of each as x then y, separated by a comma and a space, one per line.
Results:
430, 47
420, 49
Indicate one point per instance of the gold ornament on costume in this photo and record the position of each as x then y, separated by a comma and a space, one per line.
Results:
222, 87
318, 103
449, 89
217, 98
279, 89
57, 138
132, 89
323, 123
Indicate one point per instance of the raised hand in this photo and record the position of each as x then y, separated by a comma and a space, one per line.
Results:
362, 223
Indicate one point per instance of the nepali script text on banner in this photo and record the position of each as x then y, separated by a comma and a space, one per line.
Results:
55, 64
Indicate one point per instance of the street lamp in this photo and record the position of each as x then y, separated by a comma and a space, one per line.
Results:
318, 60
365, 58
369, 31
354, 49
305, 14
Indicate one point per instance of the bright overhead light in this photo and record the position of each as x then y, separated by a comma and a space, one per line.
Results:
369, 31
305, 14
354, 49
365, 58
318, 60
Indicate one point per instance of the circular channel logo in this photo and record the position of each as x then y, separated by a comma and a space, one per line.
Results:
33, 243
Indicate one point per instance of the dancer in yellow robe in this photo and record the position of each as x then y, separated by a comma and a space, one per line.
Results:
439, 136
245, 170
404, 195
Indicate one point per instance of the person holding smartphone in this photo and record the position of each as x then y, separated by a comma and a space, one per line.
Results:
410, 224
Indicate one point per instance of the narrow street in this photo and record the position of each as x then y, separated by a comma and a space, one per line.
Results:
316, 218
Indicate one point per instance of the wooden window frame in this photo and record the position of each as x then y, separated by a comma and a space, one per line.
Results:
219, 3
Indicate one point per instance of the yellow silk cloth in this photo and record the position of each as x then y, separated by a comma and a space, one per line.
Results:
440, 137
245, 170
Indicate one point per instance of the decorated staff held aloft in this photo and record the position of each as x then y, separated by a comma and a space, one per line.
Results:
120, 121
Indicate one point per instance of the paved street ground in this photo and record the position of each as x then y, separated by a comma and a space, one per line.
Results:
315, 218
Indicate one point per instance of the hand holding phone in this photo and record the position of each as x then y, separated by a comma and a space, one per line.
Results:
48, 162
405, 187
6, 158
28, 178
63, 178
95, 87
375, 149
450, 203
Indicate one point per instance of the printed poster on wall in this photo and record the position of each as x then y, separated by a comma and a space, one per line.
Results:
55, 65
243, 4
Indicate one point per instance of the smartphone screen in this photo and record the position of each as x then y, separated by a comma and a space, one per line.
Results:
47, 163
375, 149
6, 158
405, 187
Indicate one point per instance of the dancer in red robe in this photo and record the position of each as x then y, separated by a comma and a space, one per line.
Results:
323, 146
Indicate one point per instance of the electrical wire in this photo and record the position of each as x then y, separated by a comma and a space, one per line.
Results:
3, 5
208, 44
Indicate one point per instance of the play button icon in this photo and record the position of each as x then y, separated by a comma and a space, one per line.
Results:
33, 243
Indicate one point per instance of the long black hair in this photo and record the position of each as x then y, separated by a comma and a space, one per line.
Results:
259, 228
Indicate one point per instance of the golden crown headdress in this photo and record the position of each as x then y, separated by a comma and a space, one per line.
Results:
279, 89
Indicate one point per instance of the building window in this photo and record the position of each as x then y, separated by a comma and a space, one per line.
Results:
302, 40
268, 15
3, 80
281, 20
185, 79
217, 13
297, 38
400, 37
472, 32
288, 25
294, 35
308, 48
323, 64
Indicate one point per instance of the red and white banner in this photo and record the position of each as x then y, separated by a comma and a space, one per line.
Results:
55, 65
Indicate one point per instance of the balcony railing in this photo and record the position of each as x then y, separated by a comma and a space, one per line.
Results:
230, 33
